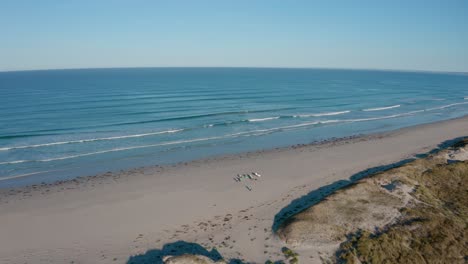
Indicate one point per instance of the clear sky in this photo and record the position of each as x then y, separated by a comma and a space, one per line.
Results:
386, 34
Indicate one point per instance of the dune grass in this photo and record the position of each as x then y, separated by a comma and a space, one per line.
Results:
434, 230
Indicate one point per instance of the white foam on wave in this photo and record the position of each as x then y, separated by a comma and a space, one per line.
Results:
13, 162
466, 97
24, 175
377, 118
263, 119
323, 114
381, 108
445, 106
91, 140
269, 130
405, 114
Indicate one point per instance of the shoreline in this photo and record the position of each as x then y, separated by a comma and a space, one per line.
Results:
216, 158
127, 215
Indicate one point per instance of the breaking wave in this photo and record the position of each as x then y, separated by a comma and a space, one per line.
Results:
324, 114
381, 108
263, 119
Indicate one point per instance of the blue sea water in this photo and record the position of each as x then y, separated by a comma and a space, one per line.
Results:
60, 124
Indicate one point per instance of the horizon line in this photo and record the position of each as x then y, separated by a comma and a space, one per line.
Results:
240, 67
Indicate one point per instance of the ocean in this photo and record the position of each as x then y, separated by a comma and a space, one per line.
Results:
60, 124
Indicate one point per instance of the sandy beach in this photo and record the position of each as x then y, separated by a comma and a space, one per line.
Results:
135, 216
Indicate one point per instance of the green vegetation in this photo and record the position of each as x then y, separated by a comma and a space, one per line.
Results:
415, 213
293, 260
290, 255
433, 230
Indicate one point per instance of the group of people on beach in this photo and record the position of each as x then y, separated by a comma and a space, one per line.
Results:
248, 176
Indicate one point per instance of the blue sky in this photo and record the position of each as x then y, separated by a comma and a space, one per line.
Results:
407, 35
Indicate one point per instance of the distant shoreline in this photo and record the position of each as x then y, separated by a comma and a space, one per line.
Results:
244, 67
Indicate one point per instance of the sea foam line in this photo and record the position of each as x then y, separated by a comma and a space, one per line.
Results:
263, 119
381, 108
445, 106
24, 175
90, 140
323, 114
13, 162
407, 113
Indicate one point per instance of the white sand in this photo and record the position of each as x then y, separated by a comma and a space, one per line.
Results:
95, 220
